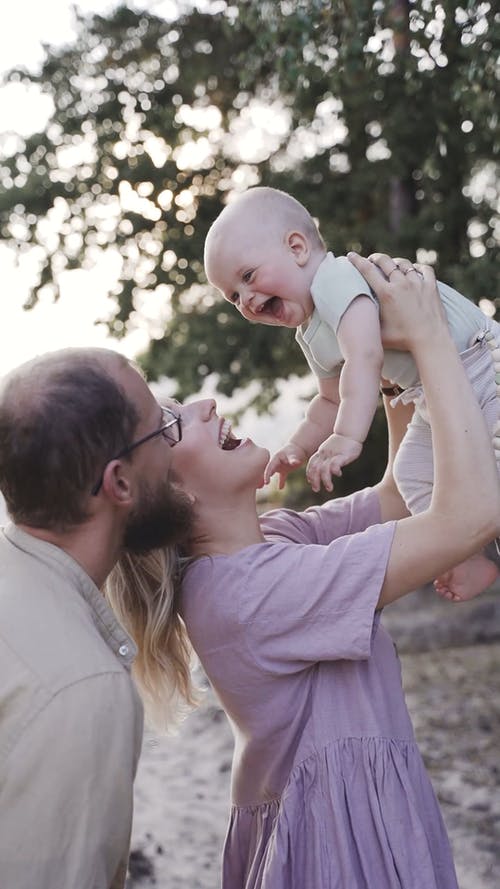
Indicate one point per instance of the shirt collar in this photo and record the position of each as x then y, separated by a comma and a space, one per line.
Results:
105, 621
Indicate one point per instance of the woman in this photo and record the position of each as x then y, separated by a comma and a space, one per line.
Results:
328, 787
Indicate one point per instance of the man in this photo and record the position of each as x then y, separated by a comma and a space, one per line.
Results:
84, 459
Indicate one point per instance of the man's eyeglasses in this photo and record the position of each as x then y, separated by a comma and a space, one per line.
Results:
171, 429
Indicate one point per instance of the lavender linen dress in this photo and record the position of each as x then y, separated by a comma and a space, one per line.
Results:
328, 787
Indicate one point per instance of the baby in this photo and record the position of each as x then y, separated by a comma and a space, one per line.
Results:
267, 257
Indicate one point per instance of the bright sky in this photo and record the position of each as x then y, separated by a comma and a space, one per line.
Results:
26, 25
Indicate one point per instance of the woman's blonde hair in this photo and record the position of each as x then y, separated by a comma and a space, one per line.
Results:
143, 591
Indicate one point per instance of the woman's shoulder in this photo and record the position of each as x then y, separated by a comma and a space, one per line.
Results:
323, 523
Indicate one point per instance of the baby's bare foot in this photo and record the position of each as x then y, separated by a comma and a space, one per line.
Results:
467, 580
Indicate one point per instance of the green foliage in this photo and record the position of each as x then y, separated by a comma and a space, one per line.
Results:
120, 95
384, 124
421, 114
192, 349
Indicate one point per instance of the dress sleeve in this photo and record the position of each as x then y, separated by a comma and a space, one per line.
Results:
324, 523
304, 604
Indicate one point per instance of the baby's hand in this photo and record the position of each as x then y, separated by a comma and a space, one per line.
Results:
335, 452
284, 461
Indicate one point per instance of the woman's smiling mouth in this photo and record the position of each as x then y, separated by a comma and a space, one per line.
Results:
227, 441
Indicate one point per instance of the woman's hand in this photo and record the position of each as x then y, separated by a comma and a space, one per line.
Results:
410, 307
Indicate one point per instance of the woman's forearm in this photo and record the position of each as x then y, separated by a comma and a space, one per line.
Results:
466, 486
465, 506
464, 513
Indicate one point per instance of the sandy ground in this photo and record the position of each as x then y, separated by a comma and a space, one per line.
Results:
453, 693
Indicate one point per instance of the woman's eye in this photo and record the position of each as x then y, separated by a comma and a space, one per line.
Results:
234, 298
246, 277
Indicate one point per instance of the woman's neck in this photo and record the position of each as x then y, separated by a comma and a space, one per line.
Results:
224, 531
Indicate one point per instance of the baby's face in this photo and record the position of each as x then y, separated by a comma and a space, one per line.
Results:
262, 273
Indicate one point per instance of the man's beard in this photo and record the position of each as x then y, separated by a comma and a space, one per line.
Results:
163, 516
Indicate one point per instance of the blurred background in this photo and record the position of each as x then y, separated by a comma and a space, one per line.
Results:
124, 129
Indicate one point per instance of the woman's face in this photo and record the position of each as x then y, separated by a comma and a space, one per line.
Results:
210, 461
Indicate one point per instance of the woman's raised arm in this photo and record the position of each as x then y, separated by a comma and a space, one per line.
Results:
464, 513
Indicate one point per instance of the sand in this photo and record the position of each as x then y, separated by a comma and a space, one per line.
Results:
182, 786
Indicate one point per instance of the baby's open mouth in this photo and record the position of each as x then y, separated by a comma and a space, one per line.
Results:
227, 441
271, 305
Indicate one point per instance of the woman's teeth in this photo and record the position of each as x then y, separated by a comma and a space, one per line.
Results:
227, 440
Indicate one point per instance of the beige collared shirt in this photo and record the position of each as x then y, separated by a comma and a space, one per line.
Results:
70, 724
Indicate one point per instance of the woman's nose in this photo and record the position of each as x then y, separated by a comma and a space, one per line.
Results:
203, 408
209, 406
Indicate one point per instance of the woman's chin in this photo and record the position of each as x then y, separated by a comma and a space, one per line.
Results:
265, 460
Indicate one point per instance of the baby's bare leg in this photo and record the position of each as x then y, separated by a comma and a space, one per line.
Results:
468, 579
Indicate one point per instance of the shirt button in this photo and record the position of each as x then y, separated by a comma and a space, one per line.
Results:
123, 650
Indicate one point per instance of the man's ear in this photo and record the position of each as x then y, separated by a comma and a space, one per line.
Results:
116, 483
299, 245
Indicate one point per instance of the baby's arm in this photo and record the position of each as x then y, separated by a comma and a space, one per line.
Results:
314, 428
361, 347
360, 343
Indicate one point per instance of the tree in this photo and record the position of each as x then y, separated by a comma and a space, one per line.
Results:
383, 118
413, 84
133, 98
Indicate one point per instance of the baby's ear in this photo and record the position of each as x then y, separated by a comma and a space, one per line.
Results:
298, 243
